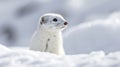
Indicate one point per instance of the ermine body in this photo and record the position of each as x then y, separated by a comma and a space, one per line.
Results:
48, 36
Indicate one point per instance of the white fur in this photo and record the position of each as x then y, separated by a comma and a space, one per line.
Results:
49, 39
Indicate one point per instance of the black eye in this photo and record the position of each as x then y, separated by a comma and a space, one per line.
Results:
55, 20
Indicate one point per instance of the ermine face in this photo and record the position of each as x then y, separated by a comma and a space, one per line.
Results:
53, 22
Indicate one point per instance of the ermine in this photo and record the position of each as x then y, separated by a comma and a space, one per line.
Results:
48, 36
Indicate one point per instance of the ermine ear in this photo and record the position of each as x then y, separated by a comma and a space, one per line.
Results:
42, 20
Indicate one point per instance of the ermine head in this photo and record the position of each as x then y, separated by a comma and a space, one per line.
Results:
53, 22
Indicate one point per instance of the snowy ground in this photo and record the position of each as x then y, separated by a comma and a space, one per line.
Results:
27, 58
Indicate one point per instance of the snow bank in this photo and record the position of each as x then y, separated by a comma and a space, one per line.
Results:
3, 49
27, 58
102, 34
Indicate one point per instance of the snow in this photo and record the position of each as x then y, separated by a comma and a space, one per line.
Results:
28, 58
101, 34
3, 48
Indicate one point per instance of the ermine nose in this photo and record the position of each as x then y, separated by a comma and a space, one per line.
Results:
65, 23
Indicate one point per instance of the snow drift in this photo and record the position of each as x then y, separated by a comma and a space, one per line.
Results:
101, 34
27, 58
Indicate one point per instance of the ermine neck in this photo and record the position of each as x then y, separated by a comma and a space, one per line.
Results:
49, 32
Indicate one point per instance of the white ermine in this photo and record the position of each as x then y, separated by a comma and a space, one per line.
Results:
48, 36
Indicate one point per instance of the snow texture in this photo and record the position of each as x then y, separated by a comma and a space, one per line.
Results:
27, 58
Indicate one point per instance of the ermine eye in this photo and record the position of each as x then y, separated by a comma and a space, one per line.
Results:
55, 20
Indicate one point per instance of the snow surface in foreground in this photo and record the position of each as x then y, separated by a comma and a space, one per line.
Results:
27, 58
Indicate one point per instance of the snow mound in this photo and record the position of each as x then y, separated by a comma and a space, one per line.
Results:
27, 58
3, 48
102, 34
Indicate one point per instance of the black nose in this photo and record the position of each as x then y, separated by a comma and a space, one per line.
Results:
65, 23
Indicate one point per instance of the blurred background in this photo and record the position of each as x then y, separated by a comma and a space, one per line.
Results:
19, 20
